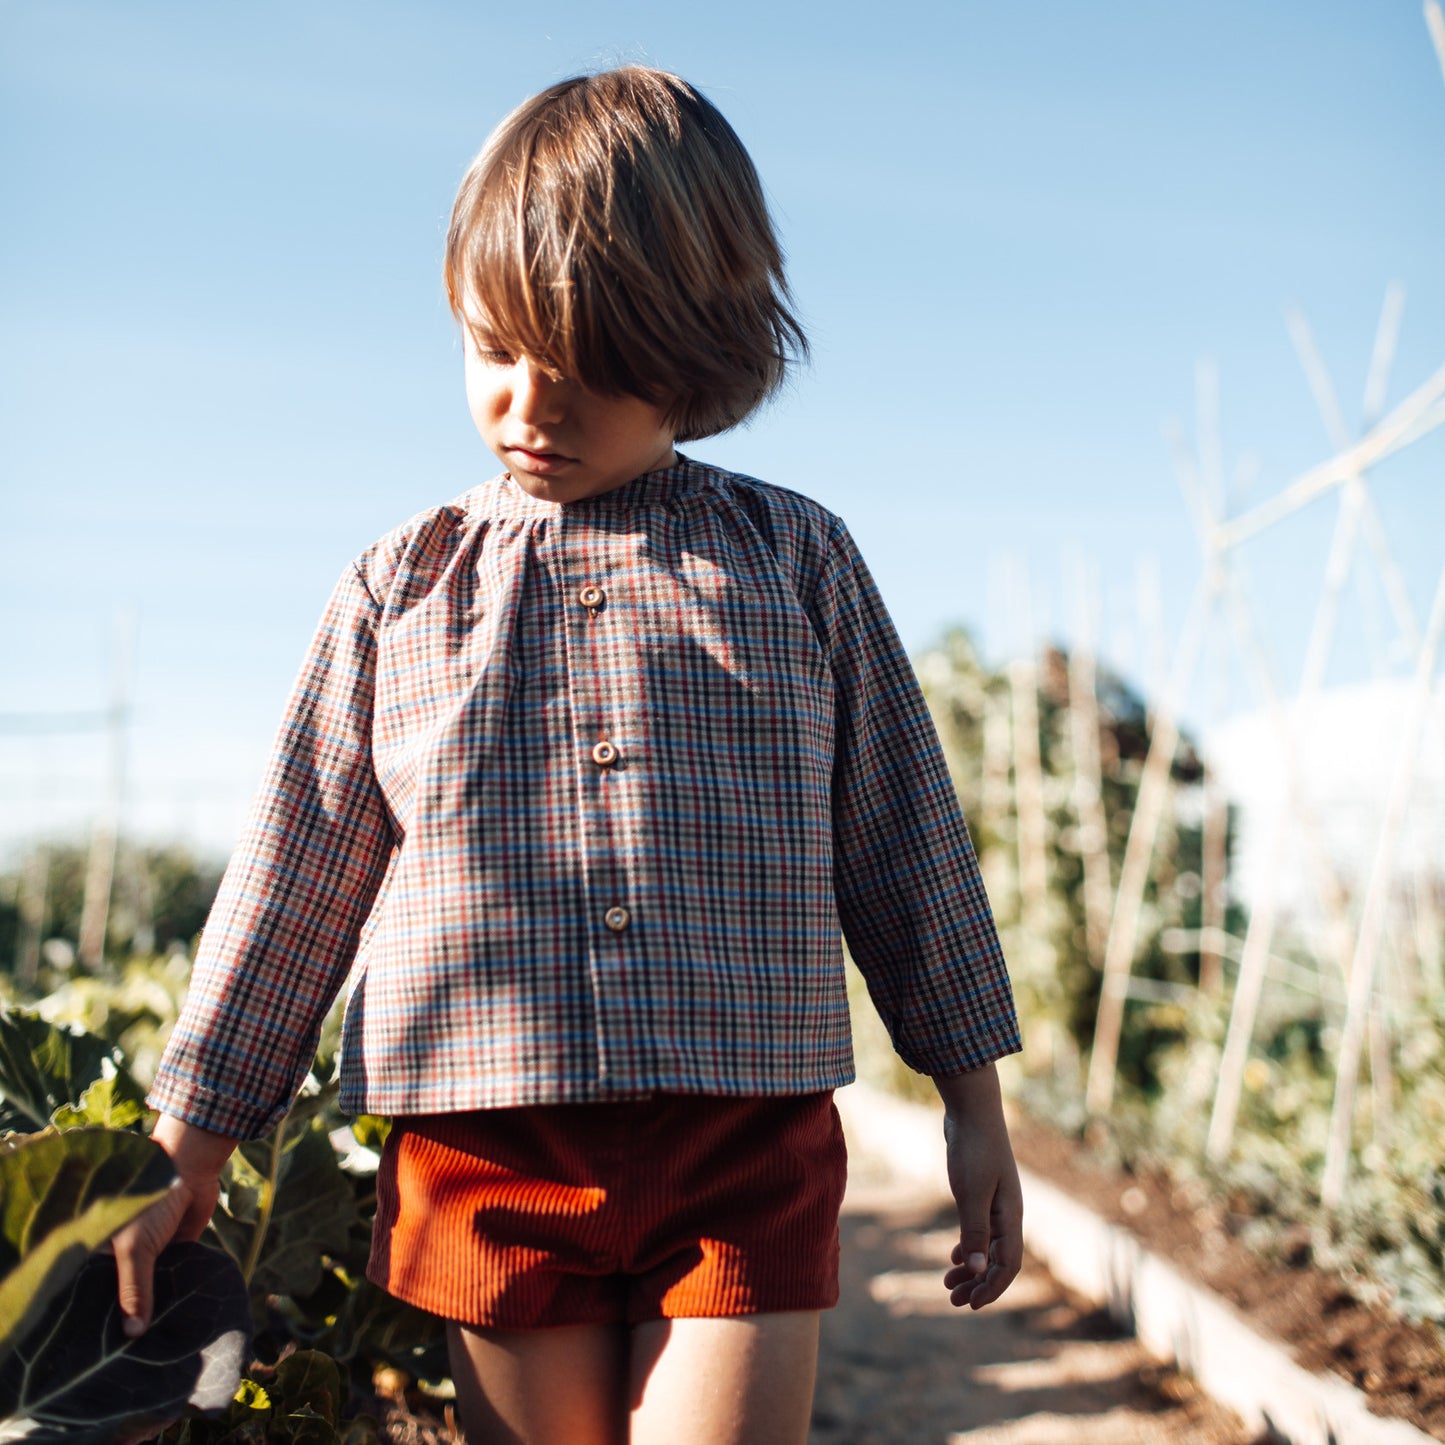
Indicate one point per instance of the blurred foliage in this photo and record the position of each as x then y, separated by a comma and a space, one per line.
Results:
1055, 981
1388, 1242
159, 900
294, 1217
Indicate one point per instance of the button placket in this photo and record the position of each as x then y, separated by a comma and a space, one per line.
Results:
607, 875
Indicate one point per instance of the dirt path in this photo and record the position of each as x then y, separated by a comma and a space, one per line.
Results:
900, 1366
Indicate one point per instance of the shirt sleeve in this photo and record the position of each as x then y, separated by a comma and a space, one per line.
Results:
283, 931
910, 897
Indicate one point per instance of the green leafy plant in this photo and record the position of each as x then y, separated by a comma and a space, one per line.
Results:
44, 1067
78, 1377
1388, 1241
294, 1216
61, 1197
67, 1369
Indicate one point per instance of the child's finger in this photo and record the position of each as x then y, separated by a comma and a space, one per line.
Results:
973, 1237
978, 1278
134, 1269
978, 1292
972, 1251
136, 1248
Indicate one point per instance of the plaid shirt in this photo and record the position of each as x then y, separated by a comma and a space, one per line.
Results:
586, 794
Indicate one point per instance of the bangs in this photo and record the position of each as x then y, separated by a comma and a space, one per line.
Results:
613, 230
523, 277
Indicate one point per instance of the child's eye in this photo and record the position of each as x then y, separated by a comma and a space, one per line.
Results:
489, 354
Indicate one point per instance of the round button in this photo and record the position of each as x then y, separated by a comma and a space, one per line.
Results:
617, 919
591, 596
604, 754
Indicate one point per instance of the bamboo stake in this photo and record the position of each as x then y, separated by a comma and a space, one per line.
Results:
1029, 788
994, 785
1088, 796
1429, 934
1372, 917
1327, 883
1435, 20
1138, 853
1245, 1005
1329, 408
1028, 768
1244, 1008
1259, 934
34, 887
1212, 883
100, 869
1382, 357
1382, 1070
1212, 843
1420, 412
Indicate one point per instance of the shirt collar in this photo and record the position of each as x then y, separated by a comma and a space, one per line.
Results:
504, 499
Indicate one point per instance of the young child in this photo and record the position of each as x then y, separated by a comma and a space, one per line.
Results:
583, 778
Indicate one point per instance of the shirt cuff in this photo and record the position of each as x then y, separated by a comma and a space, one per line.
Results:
213, 1109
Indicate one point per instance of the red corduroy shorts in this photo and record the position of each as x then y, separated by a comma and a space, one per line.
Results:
565, 1214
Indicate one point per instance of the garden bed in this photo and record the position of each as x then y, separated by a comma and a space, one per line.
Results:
1397, 1365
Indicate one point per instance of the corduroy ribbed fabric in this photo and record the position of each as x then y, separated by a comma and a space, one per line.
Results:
564, 1214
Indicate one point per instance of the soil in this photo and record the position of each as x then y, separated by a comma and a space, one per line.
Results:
1398, 1365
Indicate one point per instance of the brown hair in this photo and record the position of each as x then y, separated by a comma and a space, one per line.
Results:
614, 230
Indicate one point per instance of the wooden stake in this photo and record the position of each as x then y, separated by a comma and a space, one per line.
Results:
1372, 917
1138, 853
34, 888
1028, 771
994, 784
1245, 1006
1088, 772
1214, 864
100, 870
1421, 412
1435, 20
1029, 791
1382, 357
1213, 842
1259, 934
1429, 933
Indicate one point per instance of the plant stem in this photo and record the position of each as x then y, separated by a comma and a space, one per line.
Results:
268, 1202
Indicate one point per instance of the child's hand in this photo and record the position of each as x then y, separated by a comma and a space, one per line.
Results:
985, 1185
198, 1156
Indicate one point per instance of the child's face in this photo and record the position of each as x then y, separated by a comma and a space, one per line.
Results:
560, 441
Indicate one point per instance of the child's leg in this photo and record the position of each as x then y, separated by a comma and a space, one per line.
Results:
541, 1387
745, 1380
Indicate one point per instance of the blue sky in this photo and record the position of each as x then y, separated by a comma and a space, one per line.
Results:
226, 364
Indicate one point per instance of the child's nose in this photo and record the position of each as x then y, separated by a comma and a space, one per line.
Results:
537, 396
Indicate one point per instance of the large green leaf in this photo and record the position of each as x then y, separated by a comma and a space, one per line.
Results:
45, 1066
374, 1325
79, 1378
105, 1104
62, 1196
312, 1210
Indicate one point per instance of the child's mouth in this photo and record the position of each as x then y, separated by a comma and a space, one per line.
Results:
539, 462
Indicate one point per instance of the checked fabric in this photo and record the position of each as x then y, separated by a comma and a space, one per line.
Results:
583, 798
